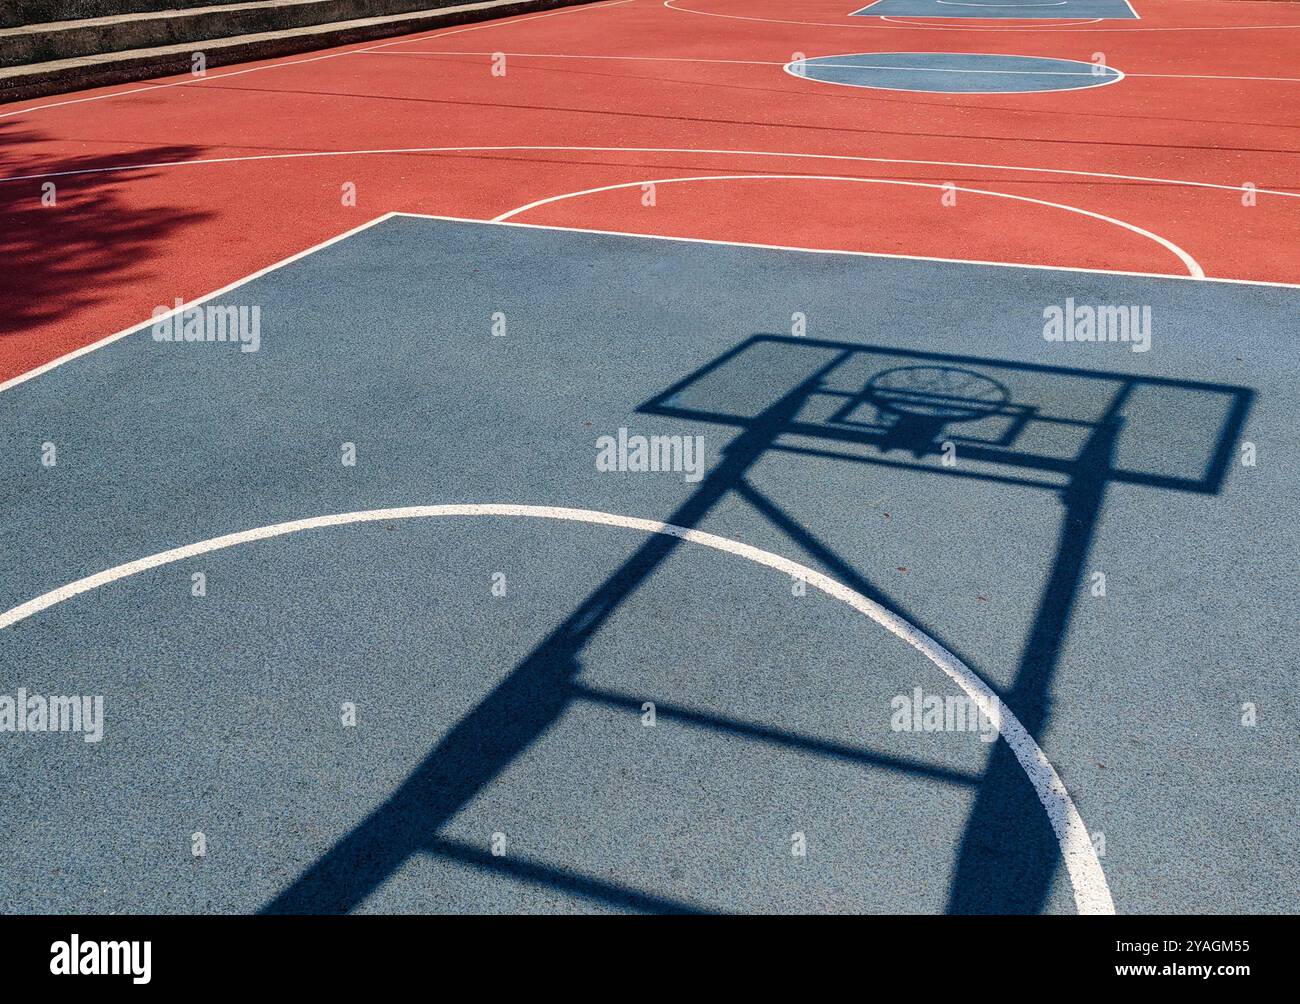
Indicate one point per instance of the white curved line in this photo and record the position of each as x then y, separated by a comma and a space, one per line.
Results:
1041, 27
1114, 76
1091, 892
514, 148
1193, 267
835, 24
46, 367
817, 61
959, 3
777, 62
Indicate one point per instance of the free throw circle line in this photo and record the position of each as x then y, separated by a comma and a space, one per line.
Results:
1091, 891
1193, 267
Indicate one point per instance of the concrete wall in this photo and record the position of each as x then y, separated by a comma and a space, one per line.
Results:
41, 59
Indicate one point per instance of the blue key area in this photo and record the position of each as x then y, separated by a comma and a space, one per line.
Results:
1073, 455
993, 9
954, 72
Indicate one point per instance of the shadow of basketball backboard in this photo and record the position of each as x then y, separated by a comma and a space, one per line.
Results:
1070, 431
1002, 418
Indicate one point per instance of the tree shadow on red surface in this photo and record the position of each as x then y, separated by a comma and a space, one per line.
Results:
66, 242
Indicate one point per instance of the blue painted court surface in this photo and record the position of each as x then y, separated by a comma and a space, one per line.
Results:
523, 714
955, 72
991, 9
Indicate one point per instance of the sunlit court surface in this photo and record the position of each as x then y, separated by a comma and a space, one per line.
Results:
741, 456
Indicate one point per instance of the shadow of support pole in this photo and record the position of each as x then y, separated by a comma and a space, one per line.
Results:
1009, 853
518, 712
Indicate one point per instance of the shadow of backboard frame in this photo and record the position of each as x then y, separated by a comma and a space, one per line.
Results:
997, 414
1075, 431
1068, 430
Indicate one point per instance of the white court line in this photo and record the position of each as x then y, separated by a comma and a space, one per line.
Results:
1041, 27
807, 59
1215, 76
567, 55
312, 59
1088, 880
1113, 76
108, 339
22, 377
516, 148
1193, 267
858, 254
1050, 3
817, 61
768, 62
834, 24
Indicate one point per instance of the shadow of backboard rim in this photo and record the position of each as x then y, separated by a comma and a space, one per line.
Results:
1237, 404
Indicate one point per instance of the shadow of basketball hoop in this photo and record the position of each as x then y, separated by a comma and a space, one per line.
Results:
917, 404
1067, 431
852, 403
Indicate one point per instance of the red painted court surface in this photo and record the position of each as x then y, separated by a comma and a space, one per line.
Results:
174, 188
952, 474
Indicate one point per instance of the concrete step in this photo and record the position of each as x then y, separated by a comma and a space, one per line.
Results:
30, 80
18, 12
40, 43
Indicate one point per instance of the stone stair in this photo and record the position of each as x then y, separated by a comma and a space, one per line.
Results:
114, 41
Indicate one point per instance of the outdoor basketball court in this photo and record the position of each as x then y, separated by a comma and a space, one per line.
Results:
604, 466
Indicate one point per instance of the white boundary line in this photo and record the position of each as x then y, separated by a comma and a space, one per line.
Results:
45, 368
1041, 27
953, 69
859, 254
1051, 3
1193, 267
567, 55
777, 62
834, 24
1213, 76
1088, 880
515, 148
496, 23
817, 61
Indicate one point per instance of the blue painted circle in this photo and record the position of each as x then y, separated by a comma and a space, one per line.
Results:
954, 72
